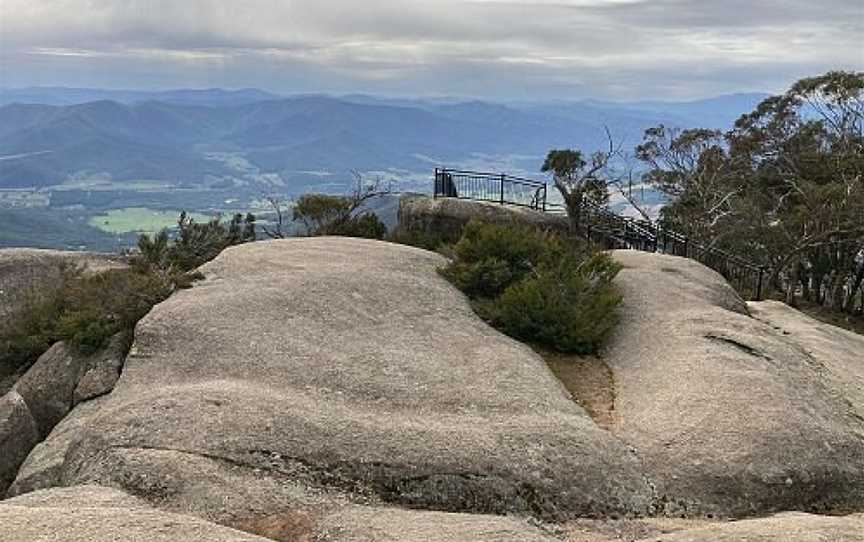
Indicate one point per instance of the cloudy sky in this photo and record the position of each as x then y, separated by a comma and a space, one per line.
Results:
606, 49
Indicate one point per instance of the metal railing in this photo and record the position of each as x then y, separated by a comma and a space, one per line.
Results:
496, 187
601, 225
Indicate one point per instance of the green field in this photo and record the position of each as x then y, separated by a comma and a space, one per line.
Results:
139, 219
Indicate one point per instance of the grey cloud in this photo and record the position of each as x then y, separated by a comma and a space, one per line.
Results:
572, 48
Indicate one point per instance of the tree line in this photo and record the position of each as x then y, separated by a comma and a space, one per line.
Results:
784, 187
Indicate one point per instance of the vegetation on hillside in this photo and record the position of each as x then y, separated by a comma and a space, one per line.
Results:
87, 309
784, 188
535, 286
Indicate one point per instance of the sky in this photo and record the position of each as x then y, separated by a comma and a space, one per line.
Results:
496, 49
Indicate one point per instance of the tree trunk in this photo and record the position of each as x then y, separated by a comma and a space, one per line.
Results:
806, 286
574, 211
792, 286
849, 305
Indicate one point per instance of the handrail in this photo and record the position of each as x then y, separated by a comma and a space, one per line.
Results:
523, 180
616, 230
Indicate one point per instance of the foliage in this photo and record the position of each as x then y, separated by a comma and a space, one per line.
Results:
568, 307
579, 182
323, 214
692, 168
536, 287
785, 187
194, 244
83, 309
420, 238
87, 309
489, 258
366, 225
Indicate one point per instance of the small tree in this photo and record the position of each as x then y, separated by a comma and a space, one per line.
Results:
582, 181
324, 214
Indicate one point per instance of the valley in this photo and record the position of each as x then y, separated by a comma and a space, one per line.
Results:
68, 160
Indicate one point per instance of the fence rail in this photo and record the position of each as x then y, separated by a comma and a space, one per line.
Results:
497, 187
600, 224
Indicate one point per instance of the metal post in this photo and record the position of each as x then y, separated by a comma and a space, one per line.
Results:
437, 182
502, 189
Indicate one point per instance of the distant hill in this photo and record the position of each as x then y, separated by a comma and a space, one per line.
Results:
189, 136
74, 96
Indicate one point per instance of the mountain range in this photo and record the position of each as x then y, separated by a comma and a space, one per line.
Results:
251, 137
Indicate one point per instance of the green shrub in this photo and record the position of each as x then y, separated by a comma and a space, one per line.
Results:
536, 287
489, 257
419, 238
84, 310
367, 225
194, 244
570, 309
87, 309
322, 214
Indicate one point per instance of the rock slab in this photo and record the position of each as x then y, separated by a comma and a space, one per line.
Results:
345, 365
730, 415
18, 434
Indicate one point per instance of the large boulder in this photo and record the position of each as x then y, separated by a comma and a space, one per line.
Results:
333, 368
445, 217
42, 397
18, 435
730, 415
43, 465
63, 377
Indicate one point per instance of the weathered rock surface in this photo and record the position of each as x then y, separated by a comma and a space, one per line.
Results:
43, 467
729, 415
788, 527
310, 387
18, 435
102, 370
447, 216
367, 524
93, 514
43, 396
836, 352
350, 366
62, 377
48, 385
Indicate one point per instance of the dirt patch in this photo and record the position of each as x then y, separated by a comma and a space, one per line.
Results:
291, 526
589, 381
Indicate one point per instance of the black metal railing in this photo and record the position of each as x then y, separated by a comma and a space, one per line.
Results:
600, 225
496, 187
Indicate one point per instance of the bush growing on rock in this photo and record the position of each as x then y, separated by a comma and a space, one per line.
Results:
569, 307
194, 244
427, 240
535, 286
87, 309
323, 214
489, 258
